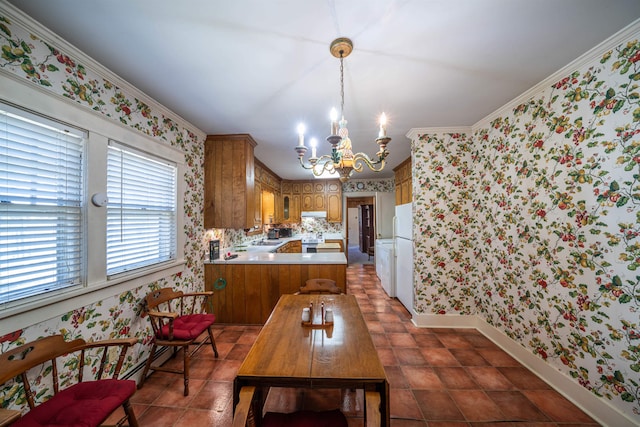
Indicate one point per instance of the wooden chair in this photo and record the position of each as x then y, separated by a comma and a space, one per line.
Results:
178, 321
86, 403
320, 286
248, 406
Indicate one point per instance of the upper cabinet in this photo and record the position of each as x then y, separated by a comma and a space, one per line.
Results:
319, 195
404, 190
270, 195
230, 199
334, 201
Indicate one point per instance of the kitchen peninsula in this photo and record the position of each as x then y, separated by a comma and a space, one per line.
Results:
247, 288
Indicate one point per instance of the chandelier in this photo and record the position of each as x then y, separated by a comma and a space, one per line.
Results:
342, 160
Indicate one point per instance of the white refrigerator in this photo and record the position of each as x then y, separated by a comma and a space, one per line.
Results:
403, 239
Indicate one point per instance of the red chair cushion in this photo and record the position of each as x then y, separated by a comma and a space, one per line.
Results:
85, 404
188, 327
333, 418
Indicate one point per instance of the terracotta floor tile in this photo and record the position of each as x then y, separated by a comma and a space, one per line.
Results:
489, 378
149, 391
226, 370
248, 337
439, 357
403, 405
160, 416
497, 357
224, 348
229, 335
203, 369
408, 356
437, 405
468, 357
284, 399
556, 407
387, 356
396, 377
173, 395
388, 318
214, 395
422, 377
427, 340
523, 379
455, 378
375, 327
238, 352
478, 340
448, 424
515, 406
380, 340
401, 340
396, 326
475, 405
203, 417
454, 341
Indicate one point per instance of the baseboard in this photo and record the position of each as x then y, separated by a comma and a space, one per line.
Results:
162, 355
595, 407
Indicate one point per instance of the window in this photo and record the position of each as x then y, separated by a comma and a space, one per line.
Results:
41, 205
141, 212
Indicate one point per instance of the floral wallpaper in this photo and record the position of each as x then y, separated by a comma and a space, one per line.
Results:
42, 64
380, 185
532, 221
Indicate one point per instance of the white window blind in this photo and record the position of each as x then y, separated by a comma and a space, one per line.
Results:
41, 209
141, 212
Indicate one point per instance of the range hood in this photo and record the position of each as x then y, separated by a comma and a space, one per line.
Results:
313, 214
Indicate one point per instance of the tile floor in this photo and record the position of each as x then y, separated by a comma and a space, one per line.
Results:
438, 377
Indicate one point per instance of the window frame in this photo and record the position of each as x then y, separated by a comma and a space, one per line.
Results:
97, 286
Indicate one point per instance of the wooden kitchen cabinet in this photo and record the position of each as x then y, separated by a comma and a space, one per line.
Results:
257, 211
230, 199
252, 290
325, 196
334, 201
291, 247
403, 184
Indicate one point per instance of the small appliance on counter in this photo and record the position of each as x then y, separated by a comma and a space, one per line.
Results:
214, 250
273, 233
285, 232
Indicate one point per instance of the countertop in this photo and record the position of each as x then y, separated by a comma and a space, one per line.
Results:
271, 258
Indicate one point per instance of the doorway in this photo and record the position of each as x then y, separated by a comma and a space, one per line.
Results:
360, 229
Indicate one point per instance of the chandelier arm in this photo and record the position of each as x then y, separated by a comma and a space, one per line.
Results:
361, 159
317, 161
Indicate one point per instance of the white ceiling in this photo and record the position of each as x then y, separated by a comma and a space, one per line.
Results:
263, 66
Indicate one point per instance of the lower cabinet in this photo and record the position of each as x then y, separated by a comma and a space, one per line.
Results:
252, 290
292, 247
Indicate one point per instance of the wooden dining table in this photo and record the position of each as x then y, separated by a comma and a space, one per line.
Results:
288, 353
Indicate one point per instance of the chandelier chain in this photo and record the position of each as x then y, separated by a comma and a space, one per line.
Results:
341, 85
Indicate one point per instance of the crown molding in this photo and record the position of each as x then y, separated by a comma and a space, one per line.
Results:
415, 133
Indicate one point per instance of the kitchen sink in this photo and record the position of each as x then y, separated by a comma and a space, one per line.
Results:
268, 243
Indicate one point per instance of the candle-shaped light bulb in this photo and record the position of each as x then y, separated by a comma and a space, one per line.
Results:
383, 126
334, 121
313, 143
301, 130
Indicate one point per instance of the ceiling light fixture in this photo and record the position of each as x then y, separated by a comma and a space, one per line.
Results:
342, 159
